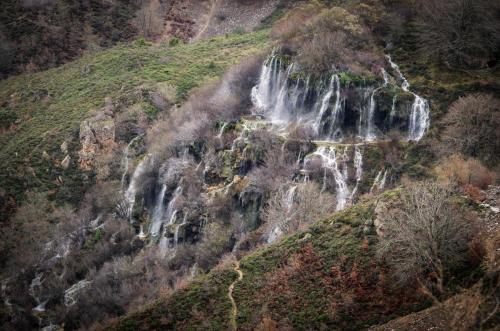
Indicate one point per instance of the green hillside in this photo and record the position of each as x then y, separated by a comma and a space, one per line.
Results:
324, 278
38, 112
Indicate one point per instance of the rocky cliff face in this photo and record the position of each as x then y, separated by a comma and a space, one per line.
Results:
97, 137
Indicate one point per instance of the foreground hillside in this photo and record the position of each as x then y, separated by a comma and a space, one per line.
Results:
326, 277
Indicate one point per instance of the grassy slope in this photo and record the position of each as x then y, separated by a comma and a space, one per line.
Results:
324, 278
50, 105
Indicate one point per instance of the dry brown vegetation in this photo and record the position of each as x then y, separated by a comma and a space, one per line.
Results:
149, 20
425, 239
463, 33
323, 37
460, 172
472, 124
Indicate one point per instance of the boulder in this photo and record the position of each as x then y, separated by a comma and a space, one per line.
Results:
66, 162
97, 135
64, 147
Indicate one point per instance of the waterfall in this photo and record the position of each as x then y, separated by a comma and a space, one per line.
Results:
133, 187
393, 110
379, 182
71, 293
370, 133
419, 118
142, 235
171, 211
282, 100
125, 162
221, 130
358, 165
325, 102
404, 85
331, 161
37, 283
157, 220
262, 94
163, 245
280, 111
420, 114
290, 196
275, 234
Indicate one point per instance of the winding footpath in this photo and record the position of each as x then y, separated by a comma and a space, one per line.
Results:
234, 309
214, 5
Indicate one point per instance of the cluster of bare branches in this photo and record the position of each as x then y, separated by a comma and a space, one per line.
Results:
462, 33
472, 127
424, 238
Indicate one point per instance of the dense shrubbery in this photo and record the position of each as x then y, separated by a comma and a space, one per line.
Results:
425, 239
323, 38
460, 33
456, 171
472, 126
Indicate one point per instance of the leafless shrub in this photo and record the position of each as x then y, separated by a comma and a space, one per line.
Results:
148, 19
277, 169
425, 238
294, 208
472, 124
196, 120
35, 226
329, 36
459, 32
289, 27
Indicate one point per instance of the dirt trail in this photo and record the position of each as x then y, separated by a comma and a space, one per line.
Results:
203, 29
234, 309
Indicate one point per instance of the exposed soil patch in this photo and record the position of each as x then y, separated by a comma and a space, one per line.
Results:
228, 16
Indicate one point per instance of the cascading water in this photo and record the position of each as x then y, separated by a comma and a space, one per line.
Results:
281, 97
420, 114
419, 119
35, 286
358, 165
125, 161
221, 130
133, 187
157, 220
371, 134
330, 161
379, 182
334, 87
71, 293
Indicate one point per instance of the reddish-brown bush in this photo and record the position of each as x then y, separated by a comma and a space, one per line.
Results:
472, 124
456, 170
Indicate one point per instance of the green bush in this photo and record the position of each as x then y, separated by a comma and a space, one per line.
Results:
174, 42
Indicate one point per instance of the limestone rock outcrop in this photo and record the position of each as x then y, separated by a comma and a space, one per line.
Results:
97, 136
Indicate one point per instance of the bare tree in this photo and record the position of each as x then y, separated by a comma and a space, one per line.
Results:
458, 32
149, 19
472, 126
293, 208
424, 238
